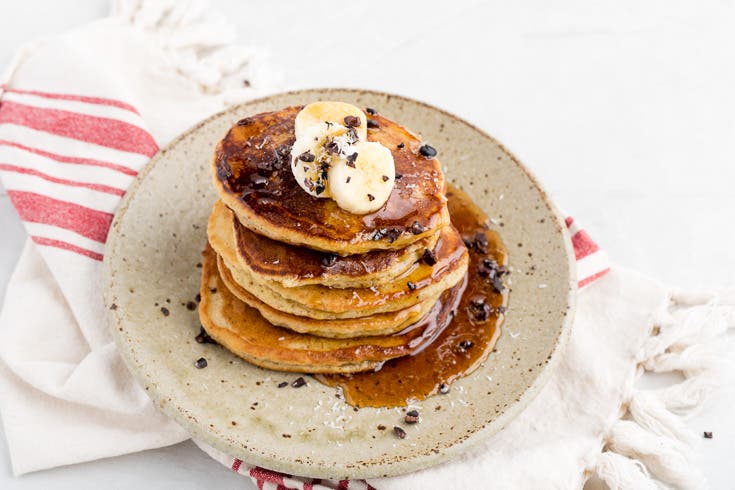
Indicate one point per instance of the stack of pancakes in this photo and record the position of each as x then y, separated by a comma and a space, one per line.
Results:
294, 283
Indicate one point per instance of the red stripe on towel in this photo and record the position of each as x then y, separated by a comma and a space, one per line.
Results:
102, 131
49, 242
37, 208
77, 98
73, 160
4, 167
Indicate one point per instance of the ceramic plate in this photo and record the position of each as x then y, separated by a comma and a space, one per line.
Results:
154, 247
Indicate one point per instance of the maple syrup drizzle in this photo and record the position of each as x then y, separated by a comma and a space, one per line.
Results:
466, 339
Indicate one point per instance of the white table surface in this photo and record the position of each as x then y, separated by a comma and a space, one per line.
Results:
626, 112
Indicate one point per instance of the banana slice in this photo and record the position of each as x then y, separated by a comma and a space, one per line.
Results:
363, 184
319, 113
308, 162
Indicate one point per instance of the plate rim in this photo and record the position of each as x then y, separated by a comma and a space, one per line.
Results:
394, 468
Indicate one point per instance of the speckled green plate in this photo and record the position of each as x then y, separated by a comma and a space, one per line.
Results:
151, 262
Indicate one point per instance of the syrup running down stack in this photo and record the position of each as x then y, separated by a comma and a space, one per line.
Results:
313, 266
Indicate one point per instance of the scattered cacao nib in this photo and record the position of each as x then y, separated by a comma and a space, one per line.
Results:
490, 263
191, 306
264, 168
381, 427
372, 124
400, 433
329, 123
428, 257
328, 260
482, 312
400, 146
708, 435
201, 363
503, 270
352, 135
412, 417
307, 156
245, 122
198, 298
352, 121
319, 187
411, 285
283, 151
258, 181
480, 242
370, 197
443, 388
351, 160
417, 228
391, 234
245, 83
203, 337
465, 345
467, 241
331, 146
371, 111
377, 235
224, 171
212, 290
386, 178
486, 269
283, 384
113, 306
479, 308
347, 181
399, 176
165, 311
298, 382
428, 151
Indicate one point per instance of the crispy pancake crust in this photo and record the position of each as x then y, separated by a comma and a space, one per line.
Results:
242, 330
259, 146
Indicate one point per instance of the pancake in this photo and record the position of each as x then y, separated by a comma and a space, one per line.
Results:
242, 330
295, 266
378, 324
321, 302
259, 146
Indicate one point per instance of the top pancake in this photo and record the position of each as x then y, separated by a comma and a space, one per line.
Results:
277, 207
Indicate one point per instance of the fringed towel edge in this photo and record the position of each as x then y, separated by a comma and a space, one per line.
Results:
650, 445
